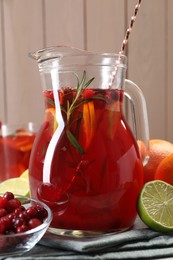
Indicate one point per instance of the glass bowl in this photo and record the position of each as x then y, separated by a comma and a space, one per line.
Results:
19, 243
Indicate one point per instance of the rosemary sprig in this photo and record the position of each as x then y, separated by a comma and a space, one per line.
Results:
74, 141
81, 86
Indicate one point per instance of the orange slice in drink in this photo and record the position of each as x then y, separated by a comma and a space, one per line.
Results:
50, 117
113, 118
88, 122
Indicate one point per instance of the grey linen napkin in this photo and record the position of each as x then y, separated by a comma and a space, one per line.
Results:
137, 243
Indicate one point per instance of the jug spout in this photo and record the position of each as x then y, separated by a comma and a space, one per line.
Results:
55, 52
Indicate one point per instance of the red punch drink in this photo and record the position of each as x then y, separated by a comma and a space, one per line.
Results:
15, 149
96, 171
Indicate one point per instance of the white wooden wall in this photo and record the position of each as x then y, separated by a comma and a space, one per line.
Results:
95, 25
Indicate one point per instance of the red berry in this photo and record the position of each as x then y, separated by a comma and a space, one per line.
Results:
22, 208
34, 222
8, 195
41, 212
6, 222
88, 93
3, 212
23, 215
22, 228
18, 222
3, 202
12, 205
18, 211
11, 216
32, 211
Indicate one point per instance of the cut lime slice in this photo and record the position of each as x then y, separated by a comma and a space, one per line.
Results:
24, 174
155, 205
18, 186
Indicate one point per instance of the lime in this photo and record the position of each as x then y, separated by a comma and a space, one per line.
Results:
16, 185
24, 174
155, 205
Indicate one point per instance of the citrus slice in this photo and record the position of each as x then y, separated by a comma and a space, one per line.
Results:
155, 205
50, 116
88, 122
24, 174
18, 186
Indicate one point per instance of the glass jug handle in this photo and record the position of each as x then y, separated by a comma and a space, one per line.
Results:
138, 121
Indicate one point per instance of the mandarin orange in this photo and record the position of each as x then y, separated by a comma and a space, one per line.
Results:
158, 150
164, 170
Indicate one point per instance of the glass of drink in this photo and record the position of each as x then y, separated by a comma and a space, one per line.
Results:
15, 147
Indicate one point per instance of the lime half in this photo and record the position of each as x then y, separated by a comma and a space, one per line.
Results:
25, 174
155, 205
18, 186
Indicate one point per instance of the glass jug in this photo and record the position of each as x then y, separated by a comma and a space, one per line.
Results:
85, 162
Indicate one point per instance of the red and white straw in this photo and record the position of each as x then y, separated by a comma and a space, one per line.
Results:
125, 41
133, 18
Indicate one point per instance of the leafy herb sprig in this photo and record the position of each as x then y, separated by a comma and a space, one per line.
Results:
81, 86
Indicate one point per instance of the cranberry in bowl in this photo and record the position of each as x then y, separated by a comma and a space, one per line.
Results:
23, 222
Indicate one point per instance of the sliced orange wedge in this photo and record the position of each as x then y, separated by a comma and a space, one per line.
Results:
88, 122
113, 118
50, 116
